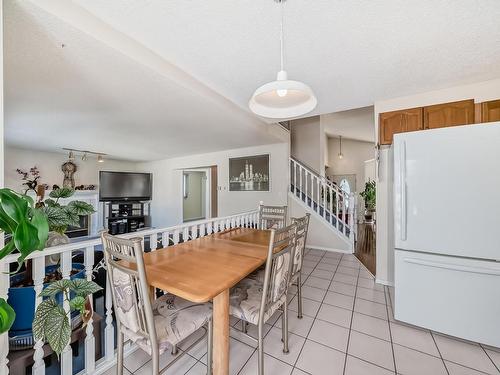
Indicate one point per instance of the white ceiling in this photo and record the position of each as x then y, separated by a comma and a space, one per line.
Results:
92, 97
354, 124
351, 53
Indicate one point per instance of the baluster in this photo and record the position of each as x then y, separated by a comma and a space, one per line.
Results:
292, 175
38, 276
300, 183
323, 191
165, 239
89, 330
202, 230
330, 194
210, 226
194, 232
4, 338
344, 214
109, 331
350, 218
176, 236
153, 241
233, 222
337, 197
67, 353
185, 234
228, 223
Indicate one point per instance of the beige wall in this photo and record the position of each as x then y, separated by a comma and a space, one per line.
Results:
306, 142
481, 91
194, 203
49, 165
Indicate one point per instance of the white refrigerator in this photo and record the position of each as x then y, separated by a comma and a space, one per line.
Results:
447, 230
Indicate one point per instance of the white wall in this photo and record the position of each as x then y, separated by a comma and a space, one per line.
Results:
49, 165
355, 154
306, 142
480, 92
167, 182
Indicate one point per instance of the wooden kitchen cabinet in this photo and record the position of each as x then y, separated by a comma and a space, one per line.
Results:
490, 111
402, 121
449, 114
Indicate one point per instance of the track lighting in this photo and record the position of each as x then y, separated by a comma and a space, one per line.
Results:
85, 154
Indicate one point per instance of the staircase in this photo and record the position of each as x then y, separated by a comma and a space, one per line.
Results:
324, 200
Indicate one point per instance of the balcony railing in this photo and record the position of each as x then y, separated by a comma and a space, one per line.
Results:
153, 239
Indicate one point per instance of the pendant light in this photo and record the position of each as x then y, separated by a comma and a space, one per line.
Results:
341, 155
282, 98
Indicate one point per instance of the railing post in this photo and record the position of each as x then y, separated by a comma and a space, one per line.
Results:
4, 338
109, 331
89, 330
67, 353
330, 203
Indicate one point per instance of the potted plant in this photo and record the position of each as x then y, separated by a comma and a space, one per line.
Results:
28, 228
369, 195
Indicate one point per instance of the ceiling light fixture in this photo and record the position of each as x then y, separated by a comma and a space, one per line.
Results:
84, 156
100, 159
282, 98
340, 153
71, 155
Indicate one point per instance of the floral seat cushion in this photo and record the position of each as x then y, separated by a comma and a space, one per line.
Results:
175, 319
245, 299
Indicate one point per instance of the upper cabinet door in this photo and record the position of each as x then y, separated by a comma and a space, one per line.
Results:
490, 111
406, 120
449, 114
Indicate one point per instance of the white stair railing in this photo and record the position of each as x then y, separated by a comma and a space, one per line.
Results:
324, 198
168, 236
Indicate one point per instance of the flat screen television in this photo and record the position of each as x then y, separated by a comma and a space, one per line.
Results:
125, 186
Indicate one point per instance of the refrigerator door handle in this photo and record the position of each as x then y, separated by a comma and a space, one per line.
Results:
454, 267
402, 187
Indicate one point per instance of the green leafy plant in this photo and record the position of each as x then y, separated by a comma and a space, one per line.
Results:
27, 230
51, 321
369, 195
61, 216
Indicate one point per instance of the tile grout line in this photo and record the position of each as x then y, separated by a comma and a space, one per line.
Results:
439, 351
317, 312
494, 364
386, 290
350, 325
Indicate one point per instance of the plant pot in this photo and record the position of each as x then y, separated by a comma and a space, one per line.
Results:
22, 299
369, 215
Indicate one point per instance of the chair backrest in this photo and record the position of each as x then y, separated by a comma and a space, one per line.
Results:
302, 224
278, 267
129, 288
272, 217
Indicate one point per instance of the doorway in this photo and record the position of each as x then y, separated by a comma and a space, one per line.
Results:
199, 193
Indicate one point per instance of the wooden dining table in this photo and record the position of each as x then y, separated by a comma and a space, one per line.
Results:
204, 270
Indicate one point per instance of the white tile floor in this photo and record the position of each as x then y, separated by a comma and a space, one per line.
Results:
348, 328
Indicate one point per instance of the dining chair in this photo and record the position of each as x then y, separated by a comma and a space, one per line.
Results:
153, 324
257, 297
272, 217
302, 224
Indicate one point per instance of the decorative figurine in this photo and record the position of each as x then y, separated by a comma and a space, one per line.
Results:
69, 168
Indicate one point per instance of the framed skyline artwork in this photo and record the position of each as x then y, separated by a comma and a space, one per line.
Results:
249, 173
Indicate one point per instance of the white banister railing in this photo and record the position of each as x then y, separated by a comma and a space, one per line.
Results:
157, 238
324, 198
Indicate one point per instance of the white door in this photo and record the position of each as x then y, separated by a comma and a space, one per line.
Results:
447, 189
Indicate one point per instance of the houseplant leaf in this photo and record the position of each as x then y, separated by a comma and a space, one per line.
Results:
72, 218
7, 316
78, 303
51, 203
55, 287
61, 193
7, 249
83, 287
51, 322
81, 208
56, 216
39, 221
13, 205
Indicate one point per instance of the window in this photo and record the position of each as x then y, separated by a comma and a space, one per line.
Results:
185, 181
344, 186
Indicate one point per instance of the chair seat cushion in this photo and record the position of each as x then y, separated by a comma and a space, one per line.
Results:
175, 319
245, 298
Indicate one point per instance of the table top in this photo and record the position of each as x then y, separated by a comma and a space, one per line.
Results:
201, 269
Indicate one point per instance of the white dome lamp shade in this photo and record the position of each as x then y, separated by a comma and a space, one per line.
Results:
282, 98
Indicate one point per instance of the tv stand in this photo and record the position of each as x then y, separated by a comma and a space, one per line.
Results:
126, 216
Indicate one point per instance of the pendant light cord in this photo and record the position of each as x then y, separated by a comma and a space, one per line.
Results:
281, 33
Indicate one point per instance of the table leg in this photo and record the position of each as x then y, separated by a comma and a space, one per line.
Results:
221, 334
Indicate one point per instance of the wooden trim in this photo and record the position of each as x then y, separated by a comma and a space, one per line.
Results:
214, 192
478, 113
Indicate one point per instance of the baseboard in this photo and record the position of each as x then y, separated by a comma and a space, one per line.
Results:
329, 249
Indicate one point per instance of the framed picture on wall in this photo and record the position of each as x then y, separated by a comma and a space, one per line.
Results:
249, 173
